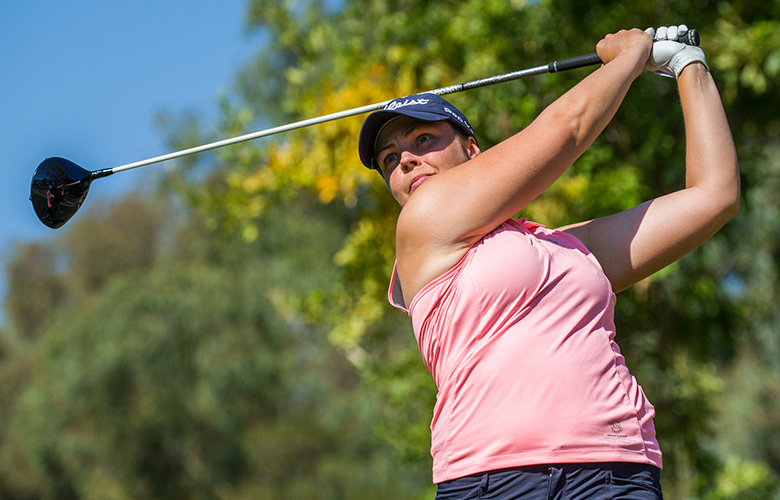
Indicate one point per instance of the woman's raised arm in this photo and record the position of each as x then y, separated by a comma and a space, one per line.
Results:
458, 206
640, 241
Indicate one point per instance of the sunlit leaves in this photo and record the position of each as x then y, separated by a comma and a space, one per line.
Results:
748, 55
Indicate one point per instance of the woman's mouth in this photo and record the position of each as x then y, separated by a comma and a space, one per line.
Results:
417, 181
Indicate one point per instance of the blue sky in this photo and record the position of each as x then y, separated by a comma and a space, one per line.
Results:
83, 79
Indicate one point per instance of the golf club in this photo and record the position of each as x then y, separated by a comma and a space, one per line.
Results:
59, 186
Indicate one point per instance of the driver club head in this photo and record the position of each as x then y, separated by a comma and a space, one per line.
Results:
58, 189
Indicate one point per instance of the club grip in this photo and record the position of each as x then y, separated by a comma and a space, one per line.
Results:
690, 38
574, 62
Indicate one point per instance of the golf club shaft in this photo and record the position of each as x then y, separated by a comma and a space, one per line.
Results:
553, 67
566, 64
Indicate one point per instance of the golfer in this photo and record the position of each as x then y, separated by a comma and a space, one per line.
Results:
514, 320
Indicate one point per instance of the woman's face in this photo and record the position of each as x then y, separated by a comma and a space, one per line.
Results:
411, 151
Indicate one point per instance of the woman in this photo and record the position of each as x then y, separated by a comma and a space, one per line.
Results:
514, 320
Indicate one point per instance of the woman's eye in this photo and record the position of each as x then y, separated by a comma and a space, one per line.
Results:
423, 138
390, 159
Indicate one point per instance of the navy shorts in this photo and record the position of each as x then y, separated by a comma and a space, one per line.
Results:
602, 481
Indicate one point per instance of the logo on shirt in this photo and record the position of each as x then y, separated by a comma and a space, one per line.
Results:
615, 437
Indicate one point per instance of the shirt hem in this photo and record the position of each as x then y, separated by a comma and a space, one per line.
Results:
544, 459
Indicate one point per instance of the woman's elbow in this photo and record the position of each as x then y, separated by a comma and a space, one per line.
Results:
722, 190
735, 193
732, 208
728, 200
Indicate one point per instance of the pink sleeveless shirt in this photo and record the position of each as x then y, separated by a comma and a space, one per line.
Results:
519, 337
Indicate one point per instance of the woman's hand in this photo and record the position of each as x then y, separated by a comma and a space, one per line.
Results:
670, 55
631, 45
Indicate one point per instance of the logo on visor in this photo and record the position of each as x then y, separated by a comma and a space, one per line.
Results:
408, 102
460, 120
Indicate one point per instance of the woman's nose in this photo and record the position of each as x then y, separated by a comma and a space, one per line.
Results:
409, 161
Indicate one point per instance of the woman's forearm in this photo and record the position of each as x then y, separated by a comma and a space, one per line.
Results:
590, 105
711, 158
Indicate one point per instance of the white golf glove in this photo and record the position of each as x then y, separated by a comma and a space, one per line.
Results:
669, 56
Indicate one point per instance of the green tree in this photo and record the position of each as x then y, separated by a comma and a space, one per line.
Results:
185, 372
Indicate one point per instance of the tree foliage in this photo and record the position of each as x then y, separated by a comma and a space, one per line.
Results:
184, 372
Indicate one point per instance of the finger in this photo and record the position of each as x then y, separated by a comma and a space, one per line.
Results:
671, 33
660, 34
650, 31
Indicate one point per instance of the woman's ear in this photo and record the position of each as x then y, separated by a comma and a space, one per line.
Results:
471, 147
